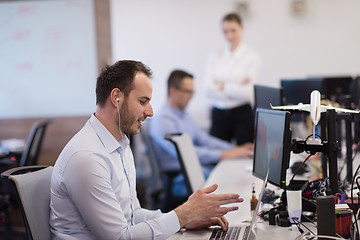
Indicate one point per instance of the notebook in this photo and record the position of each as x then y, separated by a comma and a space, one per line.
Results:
238, 232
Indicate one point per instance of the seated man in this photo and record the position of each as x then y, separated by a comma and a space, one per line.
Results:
172, 118
93, 194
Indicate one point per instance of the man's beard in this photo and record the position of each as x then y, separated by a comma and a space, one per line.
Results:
127, 120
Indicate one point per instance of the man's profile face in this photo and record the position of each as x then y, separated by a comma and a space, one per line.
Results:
136, 107
184, 93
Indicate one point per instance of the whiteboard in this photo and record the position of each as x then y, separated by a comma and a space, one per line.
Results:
48, 64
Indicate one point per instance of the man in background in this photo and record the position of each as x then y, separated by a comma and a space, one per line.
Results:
173, 118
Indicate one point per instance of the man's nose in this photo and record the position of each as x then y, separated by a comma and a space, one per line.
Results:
149, 111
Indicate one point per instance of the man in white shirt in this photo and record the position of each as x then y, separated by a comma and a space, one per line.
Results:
93, 193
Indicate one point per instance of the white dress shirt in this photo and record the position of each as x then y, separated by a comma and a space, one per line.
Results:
93, 193
238, 70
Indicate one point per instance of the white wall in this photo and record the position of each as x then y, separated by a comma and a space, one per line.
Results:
181, 33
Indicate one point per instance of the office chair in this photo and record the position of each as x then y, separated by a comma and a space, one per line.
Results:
156, 186
161, 180
32, 147
189, 161
28, 157
31, 186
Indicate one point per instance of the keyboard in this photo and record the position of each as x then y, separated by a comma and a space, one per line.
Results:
231, 234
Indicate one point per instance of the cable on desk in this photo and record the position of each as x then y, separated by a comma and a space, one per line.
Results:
352, 202
297, 170
300, 223
302, 231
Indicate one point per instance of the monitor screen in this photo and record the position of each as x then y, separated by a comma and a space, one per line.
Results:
334, 88
272, 145
299, 90
264, 96
355, 92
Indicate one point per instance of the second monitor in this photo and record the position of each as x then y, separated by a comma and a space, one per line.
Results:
272, 145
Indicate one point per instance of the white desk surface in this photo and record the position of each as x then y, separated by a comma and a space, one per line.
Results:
235, 176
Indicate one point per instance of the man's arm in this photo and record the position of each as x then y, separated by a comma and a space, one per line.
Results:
211, 149
245, 150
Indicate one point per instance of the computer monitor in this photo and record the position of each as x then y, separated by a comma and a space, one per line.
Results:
264, 96
272, 145
299, 90
355, 92
336, 88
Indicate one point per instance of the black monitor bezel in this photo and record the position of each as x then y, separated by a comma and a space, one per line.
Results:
329, 84
261, 92
299, 90
286, 146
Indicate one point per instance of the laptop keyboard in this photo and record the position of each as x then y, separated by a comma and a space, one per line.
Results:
246, 232
231, 234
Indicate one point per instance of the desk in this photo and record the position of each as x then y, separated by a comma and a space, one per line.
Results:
235, 176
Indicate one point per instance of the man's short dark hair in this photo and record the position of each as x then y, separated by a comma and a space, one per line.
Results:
119, 75
176, 77
233, 17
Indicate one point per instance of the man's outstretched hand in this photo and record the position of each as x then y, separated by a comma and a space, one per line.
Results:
204, 208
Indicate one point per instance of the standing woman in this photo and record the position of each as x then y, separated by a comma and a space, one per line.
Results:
231, 74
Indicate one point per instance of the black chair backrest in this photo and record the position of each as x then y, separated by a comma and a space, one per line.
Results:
32, 148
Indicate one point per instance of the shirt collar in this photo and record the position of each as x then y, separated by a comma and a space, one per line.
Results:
108, 140
238, 50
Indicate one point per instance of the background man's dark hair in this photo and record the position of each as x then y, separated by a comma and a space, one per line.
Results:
233, 17
119, 75
176, 78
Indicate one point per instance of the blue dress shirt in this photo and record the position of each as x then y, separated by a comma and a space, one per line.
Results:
93, 193
171, 120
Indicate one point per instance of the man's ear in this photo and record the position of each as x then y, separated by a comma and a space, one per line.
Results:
116, 97
171, 90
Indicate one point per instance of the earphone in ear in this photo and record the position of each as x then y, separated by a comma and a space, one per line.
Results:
117, 106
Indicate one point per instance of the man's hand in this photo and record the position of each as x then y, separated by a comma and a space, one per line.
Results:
245, 150
198, 224
202, 205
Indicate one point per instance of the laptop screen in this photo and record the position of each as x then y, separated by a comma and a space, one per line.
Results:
256, 211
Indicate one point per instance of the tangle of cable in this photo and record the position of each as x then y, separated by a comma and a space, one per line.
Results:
352, 199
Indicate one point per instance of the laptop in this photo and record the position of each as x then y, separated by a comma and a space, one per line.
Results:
238, 232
